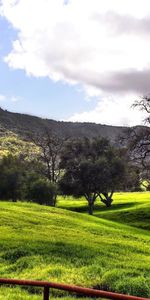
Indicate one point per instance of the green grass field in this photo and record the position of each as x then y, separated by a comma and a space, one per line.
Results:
110, 250
128, 208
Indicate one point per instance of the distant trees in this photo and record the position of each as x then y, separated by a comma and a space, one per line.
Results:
12, 145
93, 169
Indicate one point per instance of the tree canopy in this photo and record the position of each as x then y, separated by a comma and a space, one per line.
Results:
92, 168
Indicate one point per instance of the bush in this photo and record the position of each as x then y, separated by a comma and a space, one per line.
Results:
43, 192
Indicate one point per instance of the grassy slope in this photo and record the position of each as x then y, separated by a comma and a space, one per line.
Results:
128, 208
39, 242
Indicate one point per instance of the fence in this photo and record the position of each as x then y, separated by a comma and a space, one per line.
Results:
70, 288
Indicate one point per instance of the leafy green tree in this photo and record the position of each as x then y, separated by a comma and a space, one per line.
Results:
11, 179
92, 169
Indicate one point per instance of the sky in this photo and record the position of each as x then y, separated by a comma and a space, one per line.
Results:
75, 60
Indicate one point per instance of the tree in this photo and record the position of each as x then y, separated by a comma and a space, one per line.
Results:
144, 104
139, 139
132, 181
92, 169
50, 147
11, 179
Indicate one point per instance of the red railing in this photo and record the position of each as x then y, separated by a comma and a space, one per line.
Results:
70, 288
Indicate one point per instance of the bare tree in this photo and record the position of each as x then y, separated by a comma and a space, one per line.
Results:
144, 104
50, 147
139, 137
139, 144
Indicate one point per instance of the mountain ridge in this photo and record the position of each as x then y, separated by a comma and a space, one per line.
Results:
22, 124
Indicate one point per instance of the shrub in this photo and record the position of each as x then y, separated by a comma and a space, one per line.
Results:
43, 192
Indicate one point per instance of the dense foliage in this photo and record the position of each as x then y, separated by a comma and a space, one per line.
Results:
93, 169
42, 191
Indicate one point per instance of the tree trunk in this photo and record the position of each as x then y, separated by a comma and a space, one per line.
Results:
108, 199
54, 201
91, 205
91, 197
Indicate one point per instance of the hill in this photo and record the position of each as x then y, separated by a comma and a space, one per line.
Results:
39, 242
128, 208
23, 124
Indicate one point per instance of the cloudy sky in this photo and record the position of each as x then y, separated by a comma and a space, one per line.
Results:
77, 60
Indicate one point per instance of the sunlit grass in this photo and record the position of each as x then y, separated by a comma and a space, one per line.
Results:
128, 208
39, 242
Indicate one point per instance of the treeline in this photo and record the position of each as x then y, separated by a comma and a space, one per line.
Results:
40, 169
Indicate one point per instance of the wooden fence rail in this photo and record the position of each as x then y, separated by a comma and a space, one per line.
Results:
70, 288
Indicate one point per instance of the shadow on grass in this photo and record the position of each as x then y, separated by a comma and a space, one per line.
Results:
102, 208
116, 206
67, 252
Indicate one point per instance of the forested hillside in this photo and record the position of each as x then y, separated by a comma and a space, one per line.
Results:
22, 124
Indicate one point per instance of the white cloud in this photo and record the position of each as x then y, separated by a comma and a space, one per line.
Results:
112, 111
102, 45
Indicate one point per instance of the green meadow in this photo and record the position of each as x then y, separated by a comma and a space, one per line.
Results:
128, 208
110, 250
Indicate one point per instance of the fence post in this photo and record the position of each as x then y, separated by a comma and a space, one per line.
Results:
46, 293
